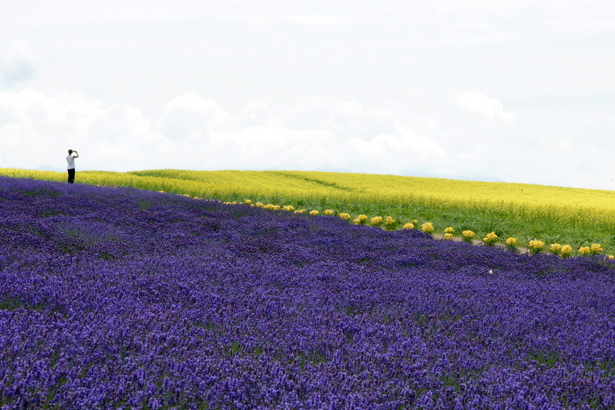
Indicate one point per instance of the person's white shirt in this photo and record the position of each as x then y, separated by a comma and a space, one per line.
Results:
70, 160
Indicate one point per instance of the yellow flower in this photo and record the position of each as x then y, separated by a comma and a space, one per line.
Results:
376, 220
260, 205
610, 257
389, 220
565, 250
288, 208
449, 230
584, 250
427, 227
595, 248
408, 226
247, 201
535, 245
511, 242
356, 221
414, 221
468, 235
345, 216
490, 239
362, 218
328, 212
314, 212
555, 248
300, 211
448, 236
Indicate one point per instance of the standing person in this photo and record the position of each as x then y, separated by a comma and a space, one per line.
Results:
70, 159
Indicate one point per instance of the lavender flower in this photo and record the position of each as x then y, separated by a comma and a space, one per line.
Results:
118, 298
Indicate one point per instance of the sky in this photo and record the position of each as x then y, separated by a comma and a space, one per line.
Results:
491, 90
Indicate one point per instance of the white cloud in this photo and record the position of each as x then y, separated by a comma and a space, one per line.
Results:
191, 116
482, 104
287, 19
316, 20
352, 119
314, 134
196, 133
42, 118
271, 147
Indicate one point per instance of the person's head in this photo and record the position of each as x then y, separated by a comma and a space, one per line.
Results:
70, 151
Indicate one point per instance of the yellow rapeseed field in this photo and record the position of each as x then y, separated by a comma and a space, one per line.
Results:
350, 186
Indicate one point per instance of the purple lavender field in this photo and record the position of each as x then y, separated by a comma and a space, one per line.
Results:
119, 298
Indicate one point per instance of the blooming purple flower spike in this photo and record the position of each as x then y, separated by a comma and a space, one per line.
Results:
119, 298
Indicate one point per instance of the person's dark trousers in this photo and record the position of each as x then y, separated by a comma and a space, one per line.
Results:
71, 176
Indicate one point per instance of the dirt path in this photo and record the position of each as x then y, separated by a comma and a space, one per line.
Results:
479, 243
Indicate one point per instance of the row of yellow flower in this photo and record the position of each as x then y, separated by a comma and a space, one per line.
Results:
359, 220
491, 239
534, 246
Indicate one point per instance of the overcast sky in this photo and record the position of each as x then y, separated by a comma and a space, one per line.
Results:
493, 90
